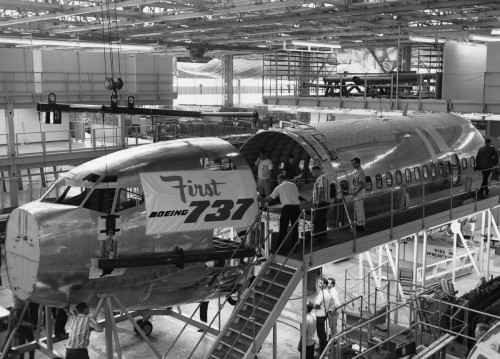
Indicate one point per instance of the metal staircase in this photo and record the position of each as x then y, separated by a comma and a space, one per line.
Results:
257, 312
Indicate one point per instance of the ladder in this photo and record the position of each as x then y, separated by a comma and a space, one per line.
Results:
256, 312
328, 153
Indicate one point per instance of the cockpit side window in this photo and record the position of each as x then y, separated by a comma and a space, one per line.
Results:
71, 196
101, 200
129, 198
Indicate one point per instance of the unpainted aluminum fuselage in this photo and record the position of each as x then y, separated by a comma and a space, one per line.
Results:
51, 248
390, 148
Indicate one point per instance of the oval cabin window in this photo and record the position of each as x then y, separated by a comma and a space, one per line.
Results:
368, 183
440, 168
416, 172
388, 179
464, 163
378, 181
433, 170
448, 167
425, 171
408, 175
472, 162
399, 177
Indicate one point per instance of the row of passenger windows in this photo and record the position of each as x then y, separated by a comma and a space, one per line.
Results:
425, 172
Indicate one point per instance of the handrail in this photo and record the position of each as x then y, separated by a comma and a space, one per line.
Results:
215, 282
247, 278
423, 202
259, 276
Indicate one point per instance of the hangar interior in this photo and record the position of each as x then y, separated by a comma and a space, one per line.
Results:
313, 71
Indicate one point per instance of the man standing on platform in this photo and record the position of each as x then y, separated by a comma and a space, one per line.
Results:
358, 194
264, 171
486, 159
321, 196
322, 304
291, 169
289, 197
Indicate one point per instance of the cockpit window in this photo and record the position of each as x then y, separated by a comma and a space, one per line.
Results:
217, 164
62, 194
128, 198
101, 200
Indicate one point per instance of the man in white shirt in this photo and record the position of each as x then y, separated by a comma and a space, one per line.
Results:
289, 197
264, 171
321, 197
322, 304
334, 312
310, 331
359, 193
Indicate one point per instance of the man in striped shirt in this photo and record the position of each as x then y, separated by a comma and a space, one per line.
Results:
321, 196
79, 332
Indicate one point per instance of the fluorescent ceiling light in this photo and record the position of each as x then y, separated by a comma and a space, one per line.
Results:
73, 43
495, 31
427, 39
484, 38
310, 44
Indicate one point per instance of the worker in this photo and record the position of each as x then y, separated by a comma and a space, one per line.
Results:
264, 168
79, 325
310, 327
359, 194
333, 314
322, 305
321, 196
290, 212
486, 159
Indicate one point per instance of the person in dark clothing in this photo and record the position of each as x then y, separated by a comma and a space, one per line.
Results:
24, 333
60, 322
291, 169
486, 159
203, 312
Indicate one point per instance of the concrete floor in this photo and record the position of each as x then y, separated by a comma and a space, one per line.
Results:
166, 329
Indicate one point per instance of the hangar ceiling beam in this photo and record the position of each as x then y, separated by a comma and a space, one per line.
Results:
74, 12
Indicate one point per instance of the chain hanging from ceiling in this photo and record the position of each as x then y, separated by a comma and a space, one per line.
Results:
113, 82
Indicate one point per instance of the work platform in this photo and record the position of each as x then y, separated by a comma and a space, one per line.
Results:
260, 306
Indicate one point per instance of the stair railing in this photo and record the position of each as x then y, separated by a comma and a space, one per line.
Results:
216, 282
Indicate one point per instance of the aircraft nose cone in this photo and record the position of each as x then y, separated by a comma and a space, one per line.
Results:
22, 252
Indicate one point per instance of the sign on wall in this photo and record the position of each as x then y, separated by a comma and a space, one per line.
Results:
196, 200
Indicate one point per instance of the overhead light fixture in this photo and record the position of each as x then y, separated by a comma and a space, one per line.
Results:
310, 44
495, 31
427, 39
73, 43
484, 38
